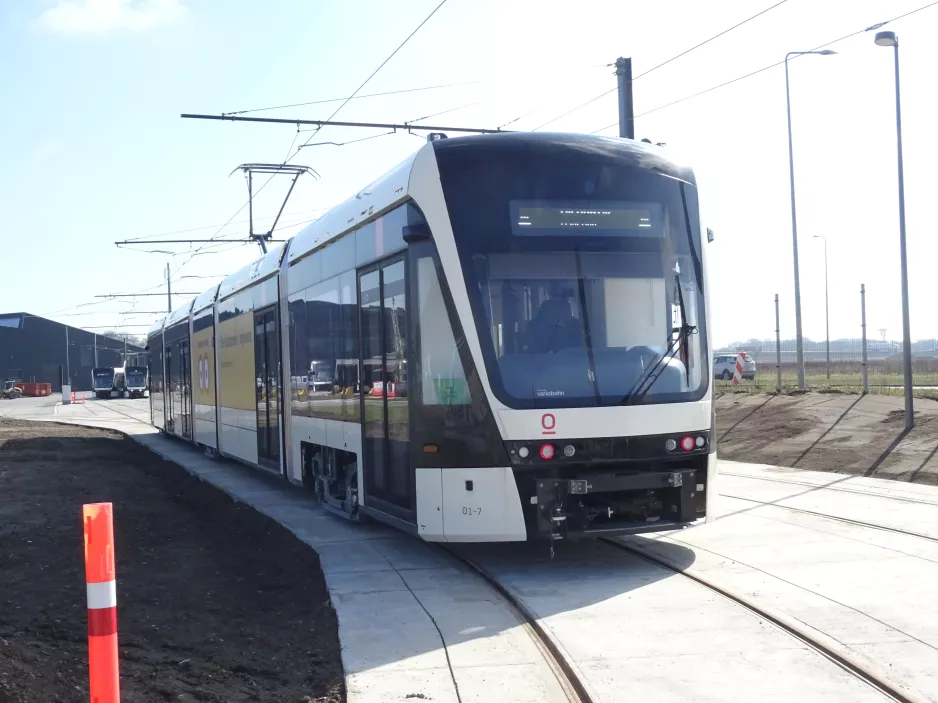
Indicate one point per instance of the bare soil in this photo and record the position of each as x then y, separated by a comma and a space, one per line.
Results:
840, 432
215, 602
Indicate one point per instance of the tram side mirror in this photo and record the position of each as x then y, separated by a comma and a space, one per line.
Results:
416, 233
709, 234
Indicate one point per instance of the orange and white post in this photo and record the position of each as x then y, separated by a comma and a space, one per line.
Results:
101, 582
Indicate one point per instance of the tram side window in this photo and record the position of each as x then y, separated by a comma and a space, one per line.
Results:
155, 361
443, 379
449, 409
322, 314
324, 339
299, 355
346, 347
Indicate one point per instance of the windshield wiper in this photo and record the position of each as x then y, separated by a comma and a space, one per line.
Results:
647, 380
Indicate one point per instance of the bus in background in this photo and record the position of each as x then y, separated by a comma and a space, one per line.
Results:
136, 381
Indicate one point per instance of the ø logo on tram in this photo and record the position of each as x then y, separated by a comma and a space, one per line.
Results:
548, 423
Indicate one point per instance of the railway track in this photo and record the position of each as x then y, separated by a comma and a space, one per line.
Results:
839, 489
578, 690
570, 682
849, 521
825, 646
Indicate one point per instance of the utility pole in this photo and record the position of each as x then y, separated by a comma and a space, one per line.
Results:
626, 114
169, 291
827, 306
890, 39
96, 350
799, 337
866, 374
68, 368
778, 349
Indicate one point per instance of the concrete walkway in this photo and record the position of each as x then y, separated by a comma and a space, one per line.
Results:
414, 624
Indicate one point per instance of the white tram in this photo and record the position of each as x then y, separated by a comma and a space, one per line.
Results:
504, 338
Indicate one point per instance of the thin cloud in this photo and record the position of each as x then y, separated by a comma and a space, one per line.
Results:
102, 16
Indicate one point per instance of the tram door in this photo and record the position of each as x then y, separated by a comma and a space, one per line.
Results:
184, 368
169, 390
387, 471
266, 370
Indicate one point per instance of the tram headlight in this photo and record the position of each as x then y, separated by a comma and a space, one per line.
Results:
671, 445
700, 441
687, 443
569, 451
523, 452
547, 452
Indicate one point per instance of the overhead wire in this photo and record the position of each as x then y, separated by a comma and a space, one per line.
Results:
148, 241
356, 97
871, 28
707, 41
382, 65
351, 141
443, 112
664, 63
197, 229
291, 154
400, 91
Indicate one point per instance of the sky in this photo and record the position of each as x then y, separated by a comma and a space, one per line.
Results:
95, 151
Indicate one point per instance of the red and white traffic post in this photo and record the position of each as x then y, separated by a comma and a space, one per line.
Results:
738, 371
100, 579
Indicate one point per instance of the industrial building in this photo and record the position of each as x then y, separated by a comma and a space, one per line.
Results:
33, 348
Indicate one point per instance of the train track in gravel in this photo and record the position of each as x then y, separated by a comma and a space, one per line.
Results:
839, 489
573, 687
831, 651
849, 521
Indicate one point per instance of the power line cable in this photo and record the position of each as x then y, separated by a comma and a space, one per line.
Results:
400, 91
356, 97
655, 68
442, 112
239, 222
382, 65
351, 141
871, 28
707, 41
142, 241
290, 156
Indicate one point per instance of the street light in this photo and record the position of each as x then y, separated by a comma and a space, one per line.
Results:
794, 220
890, 39
827, 308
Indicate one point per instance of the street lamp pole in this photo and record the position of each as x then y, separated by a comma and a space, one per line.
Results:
890, 39
794, 219
827, 307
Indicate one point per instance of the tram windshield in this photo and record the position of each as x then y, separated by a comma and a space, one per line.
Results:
584, 276
102, 379
136, 376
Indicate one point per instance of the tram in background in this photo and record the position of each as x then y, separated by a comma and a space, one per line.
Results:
107, 382
136, 380
504, 338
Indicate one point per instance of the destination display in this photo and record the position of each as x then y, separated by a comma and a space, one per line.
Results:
588, 218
